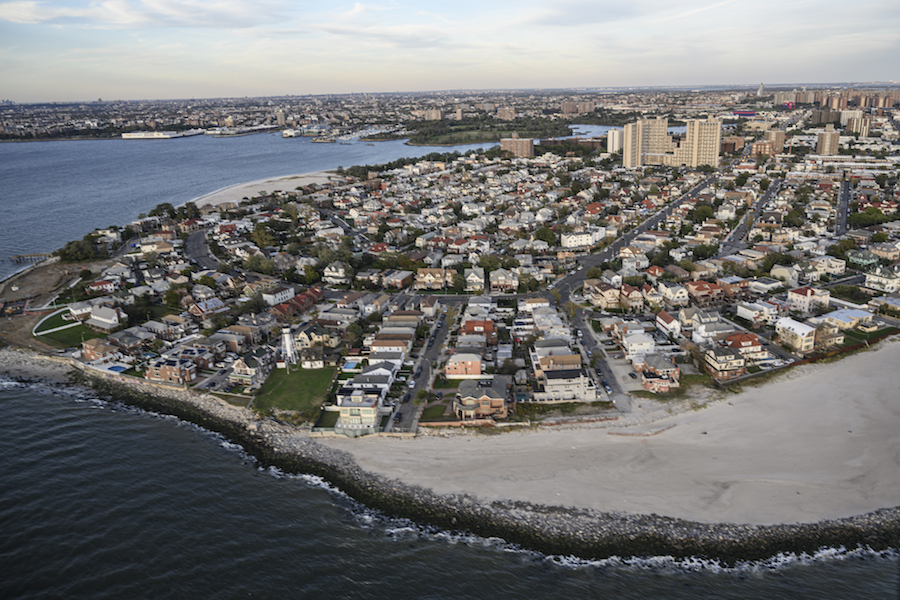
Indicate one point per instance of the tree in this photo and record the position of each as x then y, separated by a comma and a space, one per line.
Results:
764, 184
172, 298
310, 274
546, 234
262, 237
594, 273
258, 264
458, 283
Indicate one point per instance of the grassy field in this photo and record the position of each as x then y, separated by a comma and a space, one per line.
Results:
70, 338
54, 322
435, 412
303, 390
328, 419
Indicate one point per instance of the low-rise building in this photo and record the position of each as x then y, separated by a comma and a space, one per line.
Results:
798, 336
480, 399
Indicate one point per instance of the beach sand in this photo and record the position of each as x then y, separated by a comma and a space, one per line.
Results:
236, 193
821, 442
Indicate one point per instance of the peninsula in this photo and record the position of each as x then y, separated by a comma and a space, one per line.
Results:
653, 341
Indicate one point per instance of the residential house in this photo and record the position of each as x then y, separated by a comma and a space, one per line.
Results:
337, 273
463, 365
798, 336
252, 368
704, 293
566, 385
481, 399
725, 363
806, 300
105, 319
433, 279
474, 279
660, 374
748, 345
668, 325
503, 281
638, 344
312, 358
673, 294
171, 370
359, 413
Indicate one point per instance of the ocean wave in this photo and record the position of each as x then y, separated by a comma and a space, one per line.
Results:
671, 564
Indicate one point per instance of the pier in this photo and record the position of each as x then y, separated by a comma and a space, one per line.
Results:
29, 257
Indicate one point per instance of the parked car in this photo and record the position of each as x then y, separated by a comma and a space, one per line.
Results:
633, 375
406, 397
412, 383
398, 416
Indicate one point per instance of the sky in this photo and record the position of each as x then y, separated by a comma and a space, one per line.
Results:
71, 50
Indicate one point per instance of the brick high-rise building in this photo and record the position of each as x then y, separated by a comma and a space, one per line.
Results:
647, 142
776, 136
828, 141
507, 113
518, 147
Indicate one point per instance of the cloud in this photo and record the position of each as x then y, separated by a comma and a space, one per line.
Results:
145, 13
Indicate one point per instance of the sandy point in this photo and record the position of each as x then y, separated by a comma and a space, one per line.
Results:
236, 193
821, 442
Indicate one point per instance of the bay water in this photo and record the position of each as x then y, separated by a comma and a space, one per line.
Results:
98, 500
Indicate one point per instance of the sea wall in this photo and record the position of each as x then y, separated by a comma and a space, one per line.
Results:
547, 529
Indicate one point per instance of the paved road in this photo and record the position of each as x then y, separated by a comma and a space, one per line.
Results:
840, 227
737, 239
196, 249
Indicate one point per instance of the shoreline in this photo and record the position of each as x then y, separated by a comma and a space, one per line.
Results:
552, 530
237, 192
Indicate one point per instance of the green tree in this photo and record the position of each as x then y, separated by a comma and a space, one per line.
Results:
546, 234
172, 298
459, 283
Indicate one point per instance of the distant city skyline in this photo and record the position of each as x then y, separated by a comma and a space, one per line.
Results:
70, 50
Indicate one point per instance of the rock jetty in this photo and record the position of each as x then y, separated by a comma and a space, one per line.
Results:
553, 530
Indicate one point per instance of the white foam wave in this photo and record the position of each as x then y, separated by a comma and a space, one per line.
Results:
693, 564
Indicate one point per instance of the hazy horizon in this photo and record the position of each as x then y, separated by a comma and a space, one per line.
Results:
72, 50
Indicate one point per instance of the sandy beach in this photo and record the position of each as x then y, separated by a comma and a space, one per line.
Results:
822, 442
236, 193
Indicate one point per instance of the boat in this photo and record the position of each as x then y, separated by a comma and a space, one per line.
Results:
323, 140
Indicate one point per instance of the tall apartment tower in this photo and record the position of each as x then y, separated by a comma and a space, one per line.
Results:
701, 144
280, 118
518, 147
647, 142
506, 113
613, 140
828, 141
777, 138
860, 125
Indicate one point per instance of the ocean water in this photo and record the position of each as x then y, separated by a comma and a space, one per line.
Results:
102, 501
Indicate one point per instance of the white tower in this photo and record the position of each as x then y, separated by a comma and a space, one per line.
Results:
289, 349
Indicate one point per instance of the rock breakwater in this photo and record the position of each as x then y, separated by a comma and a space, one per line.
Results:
551, 530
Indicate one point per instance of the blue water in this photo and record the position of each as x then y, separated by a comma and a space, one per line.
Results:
99, 501
54, 192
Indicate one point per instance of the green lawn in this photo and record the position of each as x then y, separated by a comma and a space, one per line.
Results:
328, 419
54, 322
302, 390
70, 338
436, 413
